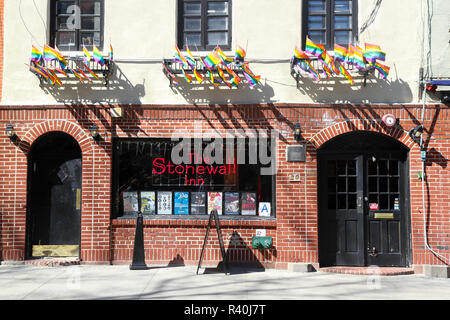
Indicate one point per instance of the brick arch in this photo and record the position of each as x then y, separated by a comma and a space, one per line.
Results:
337, 129
72, 129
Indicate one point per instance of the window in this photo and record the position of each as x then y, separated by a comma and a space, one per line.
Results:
330, 21
145, 171
204, 24
76, 23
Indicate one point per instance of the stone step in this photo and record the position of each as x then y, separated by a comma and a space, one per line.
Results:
382, 271
54, 262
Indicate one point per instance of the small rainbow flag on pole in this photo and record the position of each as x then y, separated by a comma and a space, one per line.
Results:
222, 76
312, 48
251, 78
358, 57
346, 74
187, 77
300, 54
77, 75
181, 58
90, 71
174, 80
340, 53
198, 76
51, 54
211, 60
97, 56
111, 53
38, 71
226, 60
190, 58
86, 55
36, 55
240, 53
382, 69
373, 52
213, 81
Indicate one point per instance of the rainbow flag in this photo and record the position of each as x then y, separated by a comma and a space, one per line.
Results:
251, 78
222, 76
358, 57
346, 74
178, 56
211, 60
36, 55
97, 56
174, 80
340, 53
198, 76
86, 55
240, 53
61, 71
373, 52
306, 66
235, 78
90, 71
84, 75
213, 81
382, 69
54, 76
350, 53
312, 48
51, 54
300, 54
187, 77
37, 71
111, 53
226, 60
77, 75
190, 58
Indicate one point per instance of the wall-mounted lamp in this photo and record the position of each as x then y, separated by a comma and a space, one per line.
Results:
94, 132
416, 132
297, 131
10, 132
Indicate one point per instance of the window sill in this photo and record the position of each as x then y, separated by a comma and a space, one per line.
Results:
196, 221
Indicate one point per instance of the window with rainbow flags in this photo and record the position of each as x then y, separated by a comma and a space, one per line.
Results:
53, 69
216, 68
319, 64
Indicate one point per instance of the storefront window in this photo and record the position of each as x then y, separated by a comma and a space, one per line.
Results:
213, 176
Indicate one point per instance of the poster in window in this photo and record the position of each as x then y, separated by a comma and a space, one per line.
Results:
248, 203
231, 203
164, 202
198, 203
215, 202
148, 202
181, 202
264, 209
130, 202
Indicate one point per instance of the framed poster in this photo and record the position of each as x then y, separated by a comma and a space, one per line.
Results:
148, 204
198, 203
231, 203
215, 202
181, 202
130, 202
248, 204
164, 202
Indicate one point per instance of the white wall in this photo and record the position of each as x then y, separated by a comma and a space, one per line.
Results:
267, 29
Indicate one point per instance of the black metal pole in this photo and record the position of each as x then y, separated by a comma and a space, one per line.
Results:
138, 251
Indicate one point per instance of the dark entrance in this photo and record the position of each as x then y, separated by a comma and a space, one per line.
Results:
363, 201
54, 196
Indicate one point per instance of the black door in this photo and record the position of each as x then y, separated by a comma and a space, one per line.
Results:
363, 196
54, 195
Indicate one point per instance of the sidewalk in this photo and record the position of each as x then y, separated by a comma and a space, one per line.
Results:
181, 283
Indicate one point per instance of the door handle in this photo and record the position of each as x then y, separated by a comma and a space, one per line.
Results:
78, 199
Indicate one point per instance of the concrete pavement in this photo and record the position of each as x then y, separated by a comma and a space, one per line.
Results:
181, 283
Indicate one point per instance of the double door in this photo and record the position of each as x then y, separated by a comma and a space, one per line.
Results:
362, 209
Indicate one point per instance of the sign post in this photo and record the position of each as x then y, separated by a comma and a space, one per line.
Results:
138, 250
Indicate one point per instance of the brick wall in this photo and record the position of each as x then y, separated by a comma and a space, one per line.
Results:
295, 227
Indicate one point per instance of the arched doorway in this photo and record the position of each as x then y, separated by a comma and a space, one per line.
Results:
363, 194
54, 196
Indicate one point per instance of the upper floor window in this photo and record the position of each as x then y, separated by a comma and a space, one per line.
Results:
204, 24
76, 23
330, 22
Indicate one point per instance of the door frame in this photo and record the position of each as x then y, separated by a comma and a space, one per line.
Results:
28, 219
324, 154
